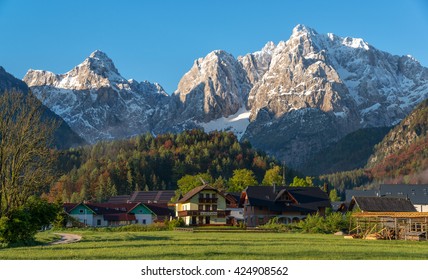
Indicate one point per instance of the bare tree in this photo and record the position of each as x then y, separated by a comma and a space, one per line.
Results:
25, 155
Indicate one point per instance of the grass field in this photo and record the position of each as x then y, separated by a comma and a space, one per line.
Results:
214, 245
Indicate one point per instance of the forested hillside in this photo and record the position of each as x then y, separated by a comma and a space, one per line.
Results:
349, 153
401, 157
147, 162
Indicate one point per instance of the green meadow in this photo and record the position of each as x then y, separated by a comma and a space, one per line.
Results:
173, 245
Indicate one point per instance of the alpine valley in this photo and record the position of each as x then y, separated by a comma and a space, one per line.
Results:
293, 99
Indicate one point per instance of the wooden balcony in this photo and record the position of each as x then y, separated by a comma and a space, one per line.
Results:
218, 214
208, 200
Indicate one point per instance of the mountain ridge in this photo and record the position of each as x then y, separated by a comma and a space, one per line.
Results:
293, 99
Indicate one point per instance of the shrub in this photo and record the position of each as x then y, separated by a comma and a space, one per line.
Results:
274, 225
312, 224
17, 228
22, 223
175, 223
333, 222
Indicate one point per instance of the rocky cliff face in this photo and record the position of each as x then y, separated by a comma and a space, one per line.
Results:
216, 86
96, 101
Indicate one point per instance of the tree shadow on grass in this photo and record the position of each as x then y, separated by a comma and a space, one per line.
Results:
125, 238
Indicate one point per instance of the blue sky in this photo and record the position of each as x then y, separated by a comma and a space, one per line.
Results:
159, 40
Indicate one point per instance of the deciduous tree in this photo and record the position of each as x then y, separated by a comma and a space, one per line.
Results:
273, 176
241, 179
25, 155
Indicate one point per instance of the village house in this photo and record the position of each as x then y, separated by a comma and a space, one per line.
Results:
159, 202
380, 204
236, 213
203, 205
417, 194
288, 204
109, 214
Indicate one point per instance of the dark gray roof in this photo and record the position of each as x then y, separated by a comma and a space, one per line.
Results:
418, 194
382, 204
367, 193
161, 197
119, 199
307, 199
161, 210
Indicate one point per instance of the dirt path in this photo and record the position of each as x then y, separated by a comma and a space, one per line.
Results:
66, 238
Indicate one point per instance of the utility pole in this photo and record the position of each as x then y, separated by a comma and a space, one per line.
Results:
283, 173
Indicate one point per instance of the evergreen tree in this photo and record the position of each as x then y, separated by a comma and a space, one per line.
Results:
333, 195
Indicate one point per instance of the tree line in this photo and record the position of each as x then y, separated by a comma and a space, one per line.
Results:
148, 162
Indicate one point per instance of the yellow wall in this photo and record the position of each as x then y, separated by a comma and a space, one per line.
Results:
193, 204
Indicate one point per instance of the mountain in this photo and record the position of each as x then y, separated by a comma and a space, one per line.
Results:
9, 82
319, 88
96, 101
64, 137
212, 95
216, 86
292, 99
404, 150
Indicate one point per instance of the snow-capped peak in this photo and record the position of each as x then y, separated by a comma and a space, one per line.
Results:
301, 29
102, 65
99, 55
269, 47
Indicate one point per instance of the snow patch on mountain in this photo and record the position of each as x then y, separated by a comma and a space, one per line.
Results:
236, 123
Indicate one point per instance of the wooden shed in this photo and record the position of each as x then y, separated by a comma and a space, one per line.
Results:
391, 225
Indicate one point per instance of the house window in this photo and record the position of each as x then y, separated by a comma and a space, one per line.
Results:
85, 222
201, 195
207, 195
214, 195
98, 222
207, 207
144, 221
214, 207
81, 211
200, 207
